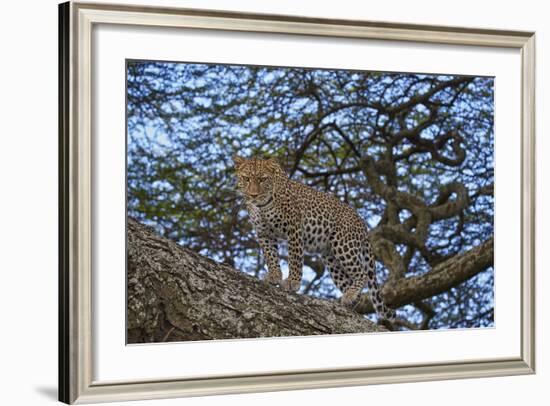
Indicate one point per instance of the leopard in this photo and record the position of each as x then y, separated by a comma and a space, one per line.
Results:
312, 222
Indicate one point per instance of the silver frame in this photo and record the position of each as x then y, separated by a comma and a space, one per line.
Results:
75, 339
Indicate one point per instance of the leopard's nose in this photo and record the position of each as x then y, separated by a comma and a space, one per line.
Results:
253, 189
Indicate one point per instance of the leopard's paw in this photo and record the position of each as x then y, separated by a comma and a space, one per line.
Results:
290, 285
273, 278
389, 315
350, 299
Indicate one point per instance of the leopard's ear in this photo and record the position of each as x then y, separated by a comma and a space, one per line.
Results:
238, 161
276, 164
273, 161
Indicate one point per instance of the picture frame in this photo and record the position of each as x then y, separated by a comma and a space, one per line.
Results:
76, 214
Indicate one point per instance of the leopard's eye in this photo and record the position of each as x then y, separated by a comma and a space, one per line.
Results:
263, 178
245, 179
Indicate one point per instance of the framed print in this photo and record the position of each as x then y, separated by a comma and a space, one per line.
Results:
263, 202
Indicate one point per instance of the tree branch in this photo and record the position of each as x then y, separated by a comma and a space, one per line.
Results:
175, 294
441, 278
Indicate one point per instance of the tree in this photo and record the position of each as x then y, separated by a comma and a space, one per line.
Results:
413, 153
174, 294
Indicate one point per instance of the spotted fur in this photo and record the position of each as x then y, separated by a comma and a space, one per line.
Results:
312, 222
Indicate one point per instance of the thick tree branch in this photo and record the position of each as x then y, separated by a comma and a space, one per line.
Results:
440, 279
175, 294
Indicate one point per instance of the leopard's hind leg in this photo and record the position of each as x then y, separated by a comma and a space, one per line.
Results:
337, 273
352, 272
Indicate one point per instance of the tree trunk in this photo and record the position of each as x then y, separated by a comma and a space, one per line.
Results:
175, 294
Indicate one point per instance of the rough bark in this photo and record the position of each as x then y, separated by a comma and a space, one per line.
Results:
175, 294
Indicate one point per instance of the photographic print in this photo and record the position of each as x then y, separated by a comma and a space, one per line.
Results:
286, 201
254, 189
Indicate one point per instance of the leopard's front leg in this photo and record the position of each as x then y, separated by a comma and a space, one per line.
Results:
271, 256
295, 261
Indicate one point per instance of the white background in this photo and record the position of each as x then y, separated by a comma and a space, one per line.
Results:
115, 361
28, 170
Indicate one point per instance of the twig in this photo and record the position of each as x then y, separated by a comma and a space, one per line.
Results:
168, 334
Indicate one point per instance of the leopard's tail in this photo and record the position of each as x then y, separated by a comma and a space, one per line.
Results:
383, 311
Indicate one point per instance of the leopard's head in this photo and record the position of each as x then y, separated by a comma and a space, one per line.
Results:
256, 178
